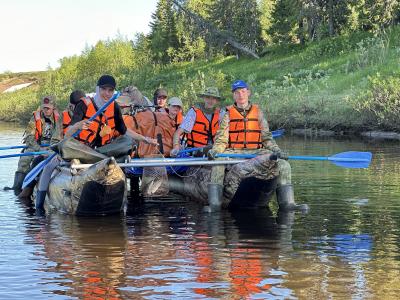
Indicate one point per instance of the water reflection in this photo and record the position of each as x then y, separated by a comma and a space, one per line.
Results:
84, 257
212, 255
347, 246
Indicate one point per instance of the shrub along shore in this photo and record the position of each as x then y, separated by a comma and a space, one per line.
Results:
344, 84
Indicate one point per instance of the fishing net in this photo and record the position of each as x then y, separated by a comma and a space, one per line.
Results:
154, 180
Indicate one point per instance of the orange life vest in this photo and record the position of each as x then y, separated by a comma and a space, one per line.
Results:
178, 119
87, 136
39, 125
244, 132
150, 124
66, 120
203, 130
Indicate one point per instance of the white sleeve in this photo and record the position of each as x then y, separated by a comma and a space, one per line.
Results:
188, 121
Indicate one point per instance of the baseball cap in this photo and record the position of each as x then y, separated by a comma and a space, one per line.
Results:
175, 101
48, 101
239, 84
106, 81
162, 92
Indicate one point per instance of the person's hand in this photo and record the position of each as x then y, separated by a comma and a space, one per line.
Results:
202, 151
84, 124
282, 155
273, 156
150, 141
174, 152
212, 154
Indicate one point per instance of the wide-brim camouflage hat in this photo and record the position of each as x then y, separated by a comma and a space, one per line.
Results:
211, 92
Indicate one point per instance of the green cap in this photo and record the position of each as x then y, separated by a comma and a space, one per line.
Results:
175, 101
211, 92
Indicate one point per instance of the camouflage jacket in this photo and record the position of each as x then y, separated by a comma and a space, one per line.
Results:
58, 134
29, 134
222, 136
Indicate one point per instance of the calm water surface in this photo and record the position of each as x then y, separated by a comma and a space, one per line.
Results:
347, 246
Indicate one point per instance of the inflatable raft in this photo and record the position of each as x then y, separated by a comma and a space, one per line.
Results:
101, 188
247, 183
97, 190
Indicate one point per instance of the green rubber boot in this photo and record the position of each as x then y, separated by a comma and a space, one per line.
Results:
285, 198
215, 196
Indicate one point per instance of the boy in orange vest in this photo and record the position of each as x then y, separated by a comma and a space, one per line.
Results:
106, 136
40, 130
244, 129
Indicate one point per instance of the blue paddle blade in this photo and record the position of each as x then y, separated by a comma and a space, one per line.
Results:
36, 171
352, 159
278, 133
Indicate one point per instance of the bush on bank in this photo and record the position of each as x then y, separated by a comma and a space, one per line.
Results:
343, 83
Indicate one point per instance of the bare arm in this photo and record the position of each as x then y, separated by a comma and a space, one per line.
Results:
176, 137
84, 124
140, 138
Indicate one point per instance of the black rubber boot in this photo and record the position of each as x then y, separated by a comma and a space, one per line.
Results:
215, 196
18, 180
40, 198
285, 198
26, 192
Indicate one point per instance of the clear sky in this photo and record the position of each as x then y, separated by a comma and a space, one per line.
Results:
37, 33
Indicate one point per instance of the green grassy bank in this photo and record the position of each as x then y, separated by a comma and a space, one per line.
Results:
348, 83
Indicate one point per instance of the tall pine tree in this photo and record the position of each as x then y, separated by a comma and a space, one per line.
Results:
163, 36
241, 20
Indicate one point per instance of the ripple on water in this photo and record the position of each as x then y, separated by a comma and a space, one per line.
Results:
345, 247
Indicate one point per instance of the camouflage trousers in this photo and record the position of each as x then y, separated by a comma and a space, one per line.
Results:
284, 169
24, 162
71, 148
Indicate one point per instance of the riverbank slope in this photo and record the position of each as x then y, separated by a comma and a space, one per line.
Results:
348, 83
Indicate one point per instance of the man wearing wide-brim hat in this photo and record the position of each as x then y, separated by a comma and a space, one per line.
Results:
201, 121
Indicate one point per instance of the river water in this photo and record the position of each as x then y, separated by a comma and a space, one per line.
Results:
347, 246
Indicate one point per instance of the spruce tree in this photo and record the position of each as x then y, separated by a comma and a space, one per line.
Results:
163, 35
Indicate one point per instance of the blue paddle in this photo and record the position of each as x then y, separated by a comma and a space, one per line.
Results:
20, 147
349, 159
278, 133
36, 170
24, 154
275, 134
